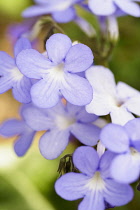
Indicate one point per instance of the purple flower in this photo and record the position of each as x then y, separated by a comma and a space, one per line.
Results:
24, 133
125, 142
60, 122
56, 72
62, 11
94, 184
108, 98
23, 29
109, 7
11, 77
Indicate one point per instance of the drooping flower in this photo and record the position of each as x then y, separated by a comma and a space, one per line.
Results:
109, 7
11, 77
19, 128
60, 122
62, 11
108, 98
125, 142
94, 183
57, 72
24, 29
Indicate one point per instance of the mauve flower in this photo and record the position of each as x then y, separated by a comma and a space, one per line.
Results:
11, 77
125, 142
94, 183
57, 72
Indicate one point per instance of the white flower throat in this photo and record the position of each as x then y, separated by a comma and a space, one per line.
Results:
57, 72
96, 182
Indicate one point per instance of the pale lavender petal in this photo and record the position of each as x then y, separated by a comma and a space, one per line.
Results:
104, 90
84, 116
53, 143
12, 127
129, 7
78, 59
125, 168
120, 115
64, 16
125, 91
73, 110
71, 186
6, 63
57, 47
133, 129
76, 90
6, 83
33, 64
36, 11
45, 93
88, 134
117, 194
101, 7
105, 163
36, 118
115, 138
133, 105
21, 90
24, 142
92, 201
21, 44
86, 160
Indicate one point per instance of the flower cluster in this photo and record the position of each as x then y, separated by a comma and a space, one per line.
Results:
65, 93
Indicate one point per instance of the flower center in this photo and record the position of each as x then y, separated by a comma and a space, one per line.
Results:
63, 122
16, 74
57, 72
134, 153
96, 182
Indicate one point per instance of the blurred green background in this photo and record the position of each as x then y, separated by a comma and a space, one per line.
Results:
28, 183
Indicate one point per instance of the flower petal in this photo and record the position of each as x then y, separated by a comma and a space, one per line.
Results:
76, 90
84, 116
104, 90
107, 7
12, 127
21, 90
6, 63
133, 105
125, 91
21, 44
53, 142
57, 47
129, 7
105, 163
92, 202
36, 11
115, 138
45, 93
24, 142
133, 129
117, 194
36, 118
125, 168
71, 186
64, 16
6, 83
86, 160
88, 134
78, 59
33, 64
120, 115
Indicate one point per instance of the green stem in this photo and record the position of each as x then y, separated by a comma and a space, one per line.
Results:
28, 191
